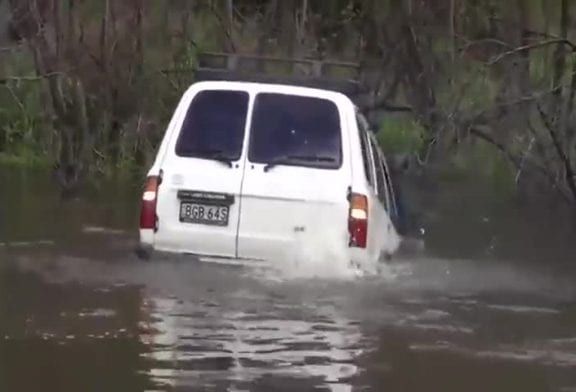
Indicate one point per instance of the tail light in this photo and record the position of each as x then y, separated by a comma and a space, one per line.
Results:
148, 210
358, 220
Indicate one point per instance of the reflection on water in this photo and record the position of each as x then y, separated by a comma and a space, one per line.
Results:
201, 344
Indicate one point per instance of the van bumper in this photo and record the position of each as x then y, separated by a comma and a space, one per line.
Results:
147, 251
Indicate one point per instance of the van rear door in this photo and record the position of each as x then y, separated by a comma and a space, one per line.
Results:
198, 200
294, 192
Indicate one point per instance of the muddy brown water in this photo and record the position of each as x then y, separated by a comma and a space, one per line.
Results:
79, 312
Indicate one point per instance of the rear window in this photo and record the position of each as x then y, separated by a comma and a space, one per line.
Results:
214, 125
295, 130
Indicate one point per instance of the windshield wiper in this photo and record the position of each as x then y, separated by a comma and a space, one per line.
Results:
311, 158
207, 153
292, 158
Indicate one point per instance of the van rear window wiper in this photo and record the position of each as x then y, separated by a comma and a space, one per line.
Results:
208, 153
311, 158
292, 158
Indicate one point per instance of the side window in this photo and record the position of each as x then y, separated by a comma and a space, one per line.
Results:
366, 159
389, 185
381, 183
392, 205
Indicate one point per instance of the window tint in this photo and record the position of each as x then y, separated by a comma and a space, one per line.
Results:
381, 184
295, 130
364, 147
214, 125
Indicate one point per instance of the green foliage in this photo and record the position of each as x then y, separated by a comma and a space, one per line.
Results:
22, 122
481, 165
24, 158
539, 67
400, 135
471, 89
207, 31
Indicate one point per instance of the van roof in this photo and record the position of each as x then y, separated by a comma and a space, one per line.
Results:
257, 87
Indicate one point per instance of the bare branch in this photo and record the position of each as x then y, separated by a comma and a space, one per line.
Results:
534, 33
524, 48
524, 159
226, 26
518, 162
484, 42
35, 78
380, 102
568, 169
524, 99
500, 146
16, 99
11, 48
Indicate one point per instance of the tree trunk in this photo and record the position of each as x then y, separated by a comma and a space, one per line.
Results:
523, 75
560, 61
231, 31
452, 23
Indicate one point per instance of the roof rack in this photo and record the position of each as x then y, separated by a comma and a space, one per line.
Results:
340, 76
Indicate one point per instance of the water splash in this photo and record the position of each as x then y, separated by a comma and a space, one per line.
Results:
324, 255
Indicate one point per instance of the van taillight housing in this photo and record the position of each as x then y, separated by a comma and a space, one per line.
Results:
148, 218
358, 220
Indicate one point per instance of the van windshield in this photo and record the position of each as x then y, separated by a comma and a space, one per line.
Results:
295, 130
214, 125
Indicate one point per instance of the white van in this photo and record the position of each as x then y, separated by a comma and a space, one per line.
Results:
256, 171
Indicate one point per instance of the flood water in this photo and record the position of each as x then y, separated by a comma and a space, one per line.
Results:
79, 312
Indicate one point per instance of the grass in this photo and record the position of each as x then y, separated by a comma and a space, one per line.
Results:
24, 160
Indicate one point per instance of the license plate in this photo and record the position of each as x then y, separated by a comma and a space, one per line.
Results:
206, 214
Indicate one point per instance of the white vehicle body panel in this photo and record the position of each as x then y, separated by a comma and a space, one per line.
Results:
278, 215
275, 213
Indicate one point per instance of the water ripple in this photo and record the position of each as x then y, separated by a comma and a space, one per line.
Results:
194, 345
